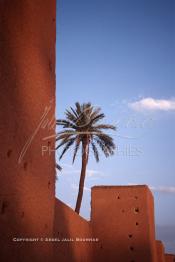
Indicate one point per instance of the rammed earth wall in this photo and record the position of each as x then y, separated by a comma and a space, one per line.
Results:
27, 82
122, 218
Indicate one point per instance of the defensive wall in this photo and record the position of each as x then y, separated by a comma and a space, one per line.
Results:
122, 218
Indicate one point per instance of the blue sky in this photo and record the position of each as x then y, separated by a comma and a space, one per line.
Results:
119, 55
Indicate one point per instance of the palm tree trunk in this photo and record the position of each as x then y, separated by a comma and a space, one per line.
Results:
83, 174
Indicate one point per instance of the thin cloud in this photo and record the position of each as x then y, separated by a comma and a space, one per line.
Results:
163, 189
151, 104
90, 173
67, 166
73, 171
94, 173
75, 187
87, 189
69, 169
159, 189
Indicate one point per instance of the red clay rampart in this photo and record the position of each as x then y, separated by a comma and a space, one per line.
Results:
123, 219
74, 233
160, 251
169, 258
122, 222
27, 82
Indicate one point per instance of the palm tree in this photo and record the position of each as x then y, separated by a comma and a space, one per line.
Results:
81, 128
58, 167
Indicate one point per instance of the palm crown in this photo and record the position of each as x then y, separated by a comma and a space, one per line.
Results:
80, 126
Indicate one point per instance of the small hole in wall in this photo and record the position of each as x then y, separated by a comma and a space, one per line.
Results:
136, 197
25, 166
131, 248
118, 197
136, 210
9, 153
130, 235
3, 207
48, 184
101, 247
137, 223
48, 143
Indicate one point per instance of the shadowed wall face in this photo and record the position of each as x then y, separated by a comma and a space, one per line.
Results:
160, 251
71, 230
123, 220
27, 77
169, 258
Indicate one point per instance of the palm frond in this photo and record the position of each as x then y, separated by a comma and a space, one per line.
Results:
107, 140
95, 150
88, 109
77, 145
78, 108
65, 123
104, 149
64, 135
67, 131
95, 112
86, 106
58, 167
71, 116
64, 141
67, 146
74, 112
97, 118
106, 145
105, 126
